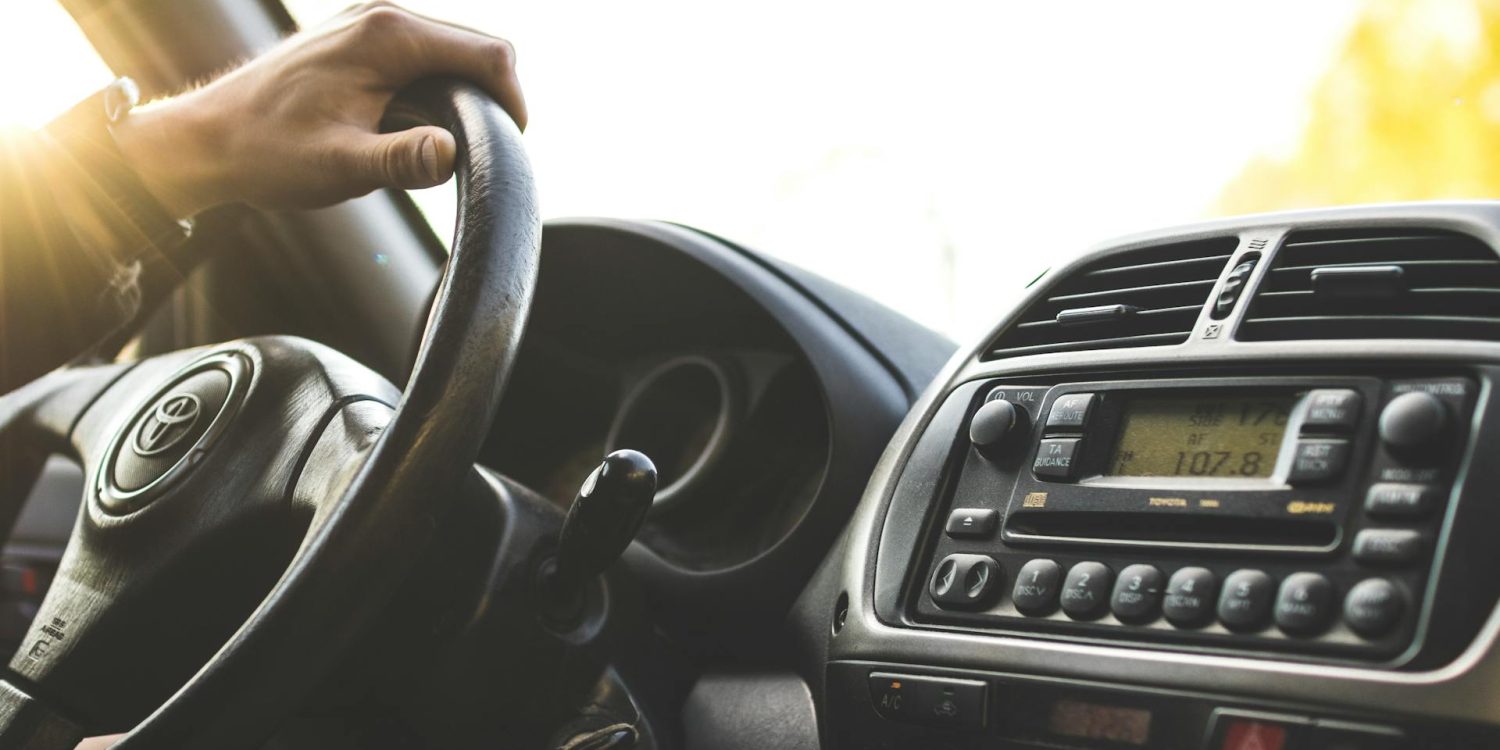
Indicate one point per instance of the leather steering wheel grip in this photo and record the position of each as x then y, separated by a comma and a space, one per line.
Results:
341, 577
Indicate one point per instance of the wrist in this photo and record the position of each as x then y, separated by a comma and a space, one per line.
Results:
167, 144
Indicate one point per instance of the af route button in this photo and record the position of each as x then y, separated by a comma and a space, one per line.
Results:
1070, 411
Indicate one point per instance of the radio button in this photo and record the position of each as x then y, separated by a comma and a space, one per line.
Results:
1189, 602
1373, 607
1305, 604
1070, 411
973, 523
965, 581
1085, 593
1387, 546
1054, 458
1332, 410
1035, 594
1245, 602
1395, 500
1137, 596
1318, 461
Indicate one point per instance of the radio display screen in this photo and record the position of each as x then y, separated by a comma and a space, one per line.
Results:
1203, 435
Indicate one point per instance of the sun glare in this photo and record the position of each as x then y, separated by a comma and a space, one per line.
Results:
46, 63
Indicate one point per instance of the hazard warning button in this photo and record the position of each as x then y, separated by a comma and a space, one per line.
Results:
1253, 730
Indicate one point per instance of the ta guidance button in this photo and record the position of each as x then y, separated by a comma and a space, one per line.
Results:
1055, 458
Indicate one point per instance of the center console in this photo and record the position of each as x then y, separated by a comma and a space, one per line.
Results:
1097, 532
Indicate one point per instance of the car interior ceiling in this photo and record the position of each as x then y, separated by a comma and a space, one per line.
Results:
1225, 486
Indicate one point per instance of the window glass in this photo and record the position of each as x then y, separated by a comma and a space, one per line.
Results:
937, 155
46, 63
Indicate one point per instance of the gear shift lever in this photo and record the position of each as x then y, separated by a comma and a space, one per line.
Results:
609, 510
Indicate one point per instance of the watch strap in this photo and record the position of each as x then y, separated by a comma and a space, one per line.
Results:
140, 223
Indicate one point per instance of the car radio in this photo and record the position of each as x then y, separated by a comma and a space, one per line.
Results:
1288, 513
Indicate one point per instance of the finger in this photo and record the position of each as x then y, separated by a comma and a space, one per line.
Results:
99, 743
486, 60
436, 48
407, 159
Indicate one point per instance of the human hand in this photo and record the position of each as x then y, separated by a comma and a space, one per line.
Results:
298, 127
99, 743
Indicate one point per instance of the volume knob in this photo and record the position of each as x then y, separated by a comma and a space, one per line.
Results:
997, 426
1414, 423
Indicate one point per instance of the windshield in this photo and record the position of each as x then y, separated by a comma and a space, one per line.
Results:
937, 156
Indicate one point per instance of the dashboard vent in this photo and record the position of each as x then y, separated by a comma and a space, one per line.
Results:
1146, 297
1366, 284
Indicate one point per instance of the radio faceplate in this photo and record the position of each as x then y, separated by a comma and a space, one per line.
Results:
1295, 514
1299, 506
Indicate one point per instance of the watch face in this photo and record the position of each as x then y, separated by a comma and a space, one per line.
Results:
120, 97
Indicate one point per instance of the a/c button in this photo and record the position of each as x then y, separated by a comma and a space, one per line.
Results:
936, 701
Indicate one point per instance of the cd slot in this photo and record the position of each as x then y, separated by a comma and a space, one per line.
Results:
1171, 530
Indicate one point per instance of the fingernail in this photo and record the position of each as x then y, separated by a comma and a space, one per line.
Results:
429, 158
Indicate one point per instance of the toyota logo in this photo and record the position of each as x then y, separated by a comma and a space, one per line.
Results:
167, 424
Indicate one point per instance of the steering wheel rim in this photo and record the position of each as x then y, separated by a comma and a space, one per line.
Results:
338, 577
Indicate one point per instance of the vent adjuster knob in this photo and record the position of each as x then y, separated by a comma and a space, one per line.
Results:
1233, 287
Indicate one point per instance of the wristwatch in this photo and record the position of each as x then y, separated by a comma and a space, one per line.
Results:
123, 202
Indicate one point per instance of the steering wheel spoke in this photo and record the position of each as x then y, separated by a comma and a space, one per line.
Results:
26, 723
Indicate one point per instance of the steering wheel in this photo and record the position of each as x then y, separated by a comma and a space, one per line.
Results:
270, 464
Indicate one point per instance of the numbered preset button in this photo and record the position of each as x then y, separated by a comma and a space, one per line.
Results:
1137, 595
1035, 594
1305, 605
1245, 602
1085, 593
1189, 601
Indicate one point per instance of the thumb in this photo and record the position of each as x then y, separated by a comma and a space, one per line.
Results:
408, 159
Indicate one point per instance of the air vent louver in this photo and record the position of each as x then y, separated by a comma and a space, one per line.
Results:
1366, 284
1146, 297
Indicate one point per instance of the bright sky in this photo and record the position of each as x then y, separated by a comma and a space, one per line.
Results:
934, 155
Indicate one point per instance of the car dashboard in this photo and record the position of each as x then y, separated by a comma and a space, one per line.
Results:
1224, 487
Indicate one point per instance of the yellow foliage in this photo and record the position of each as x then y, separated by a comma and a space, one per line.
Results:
1409, 110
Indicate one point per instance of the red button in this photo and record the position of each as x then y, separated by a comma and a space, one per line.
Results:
1243, 734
